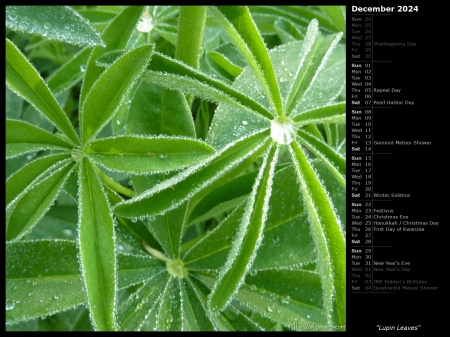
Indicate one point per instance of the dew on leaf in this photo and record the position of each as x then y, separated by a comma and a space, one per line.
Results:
12, 16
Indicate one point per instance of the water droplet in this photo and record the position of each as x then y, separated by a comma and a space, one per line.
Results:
9, 306
282, 62
308, 316
269, 309
244, 122
145, 24
77, 154
12, 16
163, 155
282, 130
121, 248
139, 306
82, 68
282, 80
67, 231
55, 297
253, 272
47, 25
151, 218
118, 122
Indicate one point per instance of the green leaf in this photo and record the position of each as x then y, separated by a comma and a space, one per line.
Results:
194, 309
337, 17
135, 269
288, 31
14, 104
333, 159
327, 233
290, 297
333, 113
131, 232
60, 23
170, 316
328, 85
239, 25
116, 36
22, 137
25, 81
231, 319
223, 62
97, 248
111, 87
248, 238
133, 312
25, 176
60, 222
175, 75
141, 155
70, 73
173, 192
176, 117
27, 210
42, 278
223, 198
168, 229
286, 233
313, 55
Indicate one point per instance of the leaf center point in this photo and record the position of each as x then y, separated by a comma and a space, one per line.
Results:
282, 130
176, 268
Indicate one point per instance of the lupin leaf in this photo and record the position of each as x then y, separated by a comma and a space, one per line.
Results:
97, 249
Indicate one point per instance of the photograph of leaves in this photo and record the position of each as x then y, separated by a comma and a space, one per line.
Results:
175, 168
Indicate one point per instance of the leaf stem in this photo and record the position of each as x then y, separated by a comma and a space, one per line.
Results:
114, 185
154, 252
190, 34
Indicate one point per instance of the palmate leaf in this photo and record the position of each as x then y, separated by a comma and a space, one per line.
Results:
143, 155
60, 23
96, 241
25, 81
